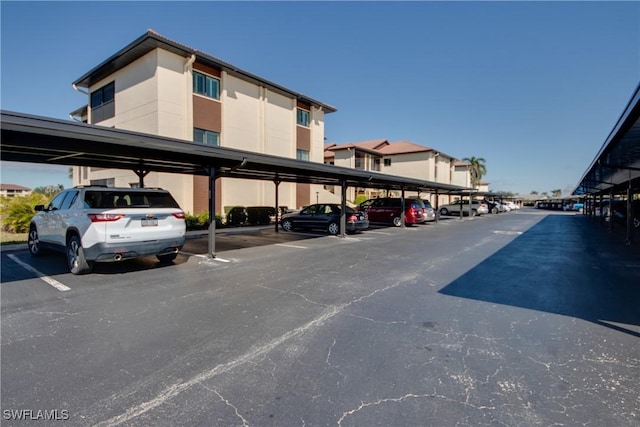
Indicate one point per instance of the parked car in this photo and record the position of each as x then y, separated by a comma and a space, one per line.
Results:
325, 216
237, 216
512, 206
619, 209
477, 208
388, 210
100, 224
494, 207
428, 212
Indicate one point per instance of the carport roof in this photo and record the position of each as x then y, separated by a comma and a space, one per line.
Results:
618, 162
36, 139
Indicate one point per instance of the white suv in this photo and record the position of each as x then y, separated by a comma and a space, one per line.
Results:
108, 224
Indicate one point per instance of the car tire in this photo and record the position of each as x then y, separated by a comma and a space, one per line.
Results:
397, 221
287, 225
636, 222
166, 258
76, 260
333, 228
444, 211
474, 212
33, 242
494, 210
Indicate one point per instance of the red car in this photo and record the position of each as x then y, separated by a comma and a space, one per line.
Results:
388, 210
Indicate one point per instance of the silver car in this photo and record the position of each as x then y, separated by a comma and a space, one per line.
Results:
477, 208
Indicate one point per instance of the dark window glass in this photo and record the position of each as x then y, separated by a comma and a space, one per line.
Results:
109, 199
206, 85
303, 117
206, 137
68, 201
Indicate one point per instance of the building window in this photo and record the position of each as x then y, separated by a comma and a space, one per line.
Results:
302, 155
206, 137
376, 164
102, 103
108, 182
303, 117
206, 85
360, 159
387, 162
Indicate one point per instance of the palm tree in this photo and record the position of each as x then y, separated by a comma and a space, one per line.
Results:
478, 169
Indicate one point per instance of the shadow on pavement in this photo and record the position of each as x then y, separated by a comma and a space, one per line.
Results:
564, 265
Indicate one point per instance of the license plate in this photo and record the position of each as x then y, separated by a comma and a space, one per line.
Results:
150, 222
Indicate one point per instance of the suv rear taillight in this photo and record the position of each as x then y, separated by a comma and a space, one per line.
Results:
352, 218
179, 215
104, 217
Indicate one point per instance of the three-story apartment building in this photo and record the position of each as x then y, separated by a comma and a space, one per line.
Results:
400, 158
158, 86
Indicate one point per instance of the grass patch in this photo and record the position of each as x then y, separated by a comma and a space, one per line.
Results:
12, 238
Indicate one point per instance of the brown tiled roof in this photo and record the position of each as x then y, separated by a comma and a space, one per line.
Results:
402, 147
14, 187
461, 163
373, 144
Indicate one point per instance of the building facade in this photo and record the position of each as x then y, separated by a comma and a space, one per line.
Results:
13, 190
402, 158
160, 87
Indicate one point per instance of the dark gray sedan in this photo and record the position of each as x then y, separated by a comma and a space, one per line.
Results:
325, 216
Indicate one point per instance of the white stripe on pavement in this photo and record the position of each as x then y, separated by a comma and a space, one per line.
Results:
291, 246
53, 282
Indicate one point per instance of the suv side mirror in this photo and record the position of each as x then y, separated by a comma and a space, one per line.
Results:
38, 208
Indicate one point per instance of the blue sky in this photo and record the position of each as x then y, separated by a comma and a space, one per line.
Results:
532, 87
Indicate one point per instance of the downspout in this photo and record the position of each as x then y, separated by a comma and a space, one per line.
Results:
77, 89
189, 101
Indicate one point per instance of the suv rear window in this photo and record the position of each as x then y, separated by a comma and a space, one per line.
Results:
137, 199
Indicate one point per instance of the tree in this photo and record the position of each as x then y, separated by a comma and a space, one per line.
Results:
534, 193
49, 190
478, 169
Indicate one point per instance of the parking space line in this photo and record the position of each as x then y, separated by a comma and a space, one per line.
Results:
291, 246
53, 282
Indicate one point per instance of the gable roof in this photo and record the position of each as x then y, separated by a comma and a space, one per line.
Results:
404, 147
13, 187
151, 40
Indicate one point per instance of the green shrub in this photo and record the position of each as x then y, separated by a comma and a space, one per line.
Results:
361, 198
16, 212
201, 221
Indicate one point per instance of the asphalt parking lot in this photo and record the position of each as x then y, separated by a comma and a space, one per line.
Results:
528, 318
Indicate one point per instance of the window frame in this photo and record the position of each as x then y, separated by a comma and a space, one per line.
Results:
299, 155
306, 114
206, 132
207, 78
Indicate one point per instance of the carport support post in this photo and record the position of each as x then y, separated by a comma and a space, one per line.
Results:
437, 207
402, 208
470, 207
343, 207
601, 216
141, 174
277, 183
611, 210
212, 212
629, 239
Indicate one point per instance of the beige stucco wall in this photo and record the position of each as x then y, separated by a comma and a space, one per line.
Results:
154, 95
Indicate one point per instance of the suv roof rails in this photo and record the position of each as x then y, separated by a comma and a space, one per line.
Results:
90, 185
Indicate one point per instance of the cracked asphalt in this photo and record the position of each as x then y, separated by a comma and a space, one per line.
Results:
521, 319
